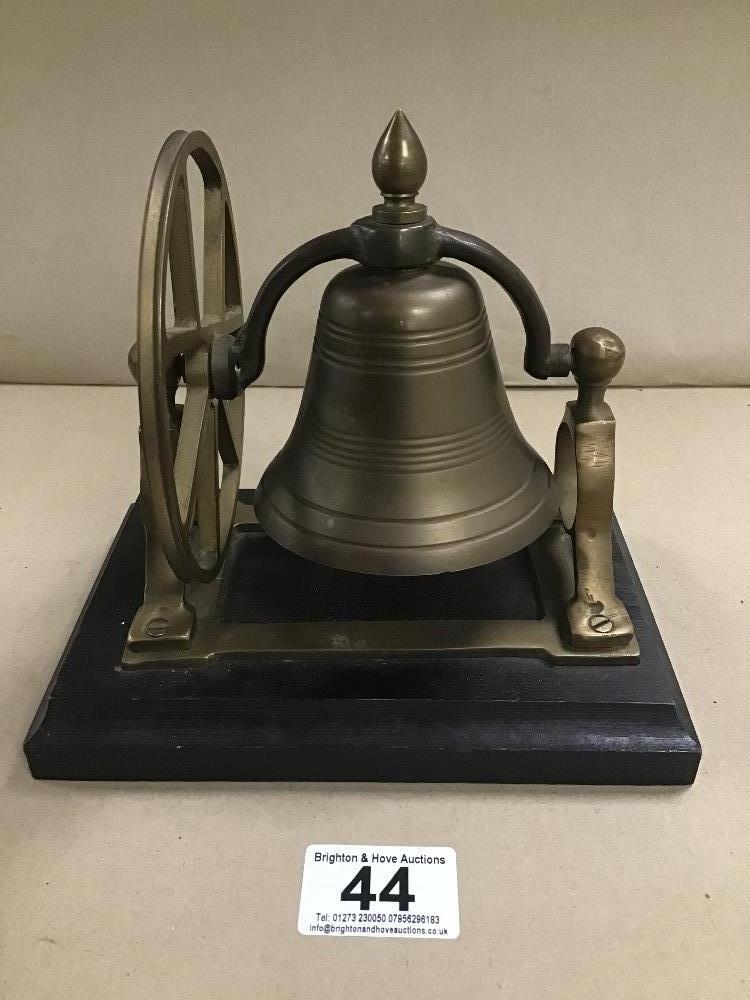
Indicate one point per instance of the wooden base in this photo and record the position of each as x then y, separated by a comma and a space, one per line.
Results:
347, 716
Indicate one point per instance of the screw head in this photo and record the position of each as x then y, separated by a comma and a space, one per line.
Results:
157, 627
600, 623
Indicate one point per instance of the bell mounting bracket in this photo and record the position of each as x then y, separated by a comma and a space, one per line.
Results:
398, 234
237, 362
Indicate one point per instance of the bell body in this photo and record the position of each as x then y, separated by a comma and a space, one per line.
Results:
405, 458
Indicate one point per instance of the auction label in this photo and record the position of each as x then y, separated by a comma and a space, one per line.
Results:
351, 890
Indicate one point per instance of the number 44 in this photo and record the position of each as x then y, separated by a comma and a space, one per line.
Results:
364, 897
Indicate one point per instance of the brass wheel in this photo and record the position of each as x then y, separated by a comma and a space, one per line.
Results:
192, 451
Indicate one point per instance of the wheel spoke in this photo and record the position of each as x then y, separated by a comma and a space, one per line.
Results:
230, 431
214, 304
186, 464
232, 289
208, 487
230, 484
182, 260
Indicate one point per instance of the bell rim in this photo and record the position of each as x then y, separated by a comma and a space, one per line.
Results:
419, 560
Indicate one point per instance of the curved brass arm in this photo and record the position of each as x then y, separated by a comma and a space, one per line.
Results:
248, 352
541, 358
236, 361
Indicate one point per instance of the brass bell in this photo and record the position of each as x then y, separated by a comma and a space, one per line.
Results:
405, 458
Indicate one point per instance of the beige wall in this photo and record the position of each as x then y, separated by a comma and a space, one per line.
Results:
602, 145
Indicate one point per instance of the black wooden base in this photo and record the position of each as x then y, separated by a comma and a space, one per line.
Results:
442, 717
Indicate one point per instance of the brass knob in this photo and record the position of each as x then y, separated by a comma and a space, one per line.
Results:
399, 168
598, 355
399, 163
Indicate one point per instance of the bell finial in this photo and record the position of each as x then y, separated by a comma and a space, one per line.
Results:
399, 167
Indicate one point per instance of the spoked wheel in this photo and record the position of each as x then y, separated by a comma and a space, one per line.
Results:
192, 451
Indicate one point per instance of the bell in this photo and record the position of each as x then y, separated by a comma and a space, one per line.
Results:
405, 458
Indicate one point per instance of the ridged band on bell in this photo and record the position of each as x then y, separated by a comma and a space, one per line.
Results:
405, 458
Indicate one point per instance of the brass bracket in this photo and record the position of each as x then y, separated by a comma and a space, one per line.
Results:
585, 473
165, 618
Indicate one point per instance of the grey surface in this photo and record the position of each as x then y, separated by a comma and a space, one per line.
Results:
605, 151
131, 891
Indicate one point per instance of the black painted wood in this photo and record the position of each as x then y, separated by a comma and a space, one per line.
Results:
265, 583
446, 717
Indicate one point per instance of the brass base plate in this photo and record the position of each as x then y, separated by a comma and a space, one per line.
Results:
545, 637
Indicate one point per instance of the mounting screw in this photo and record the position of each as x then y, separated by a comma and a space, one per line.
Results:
600, 623
157, 627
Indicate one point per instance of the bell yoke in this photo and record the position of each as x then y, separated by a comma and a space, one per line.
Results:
405, 458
